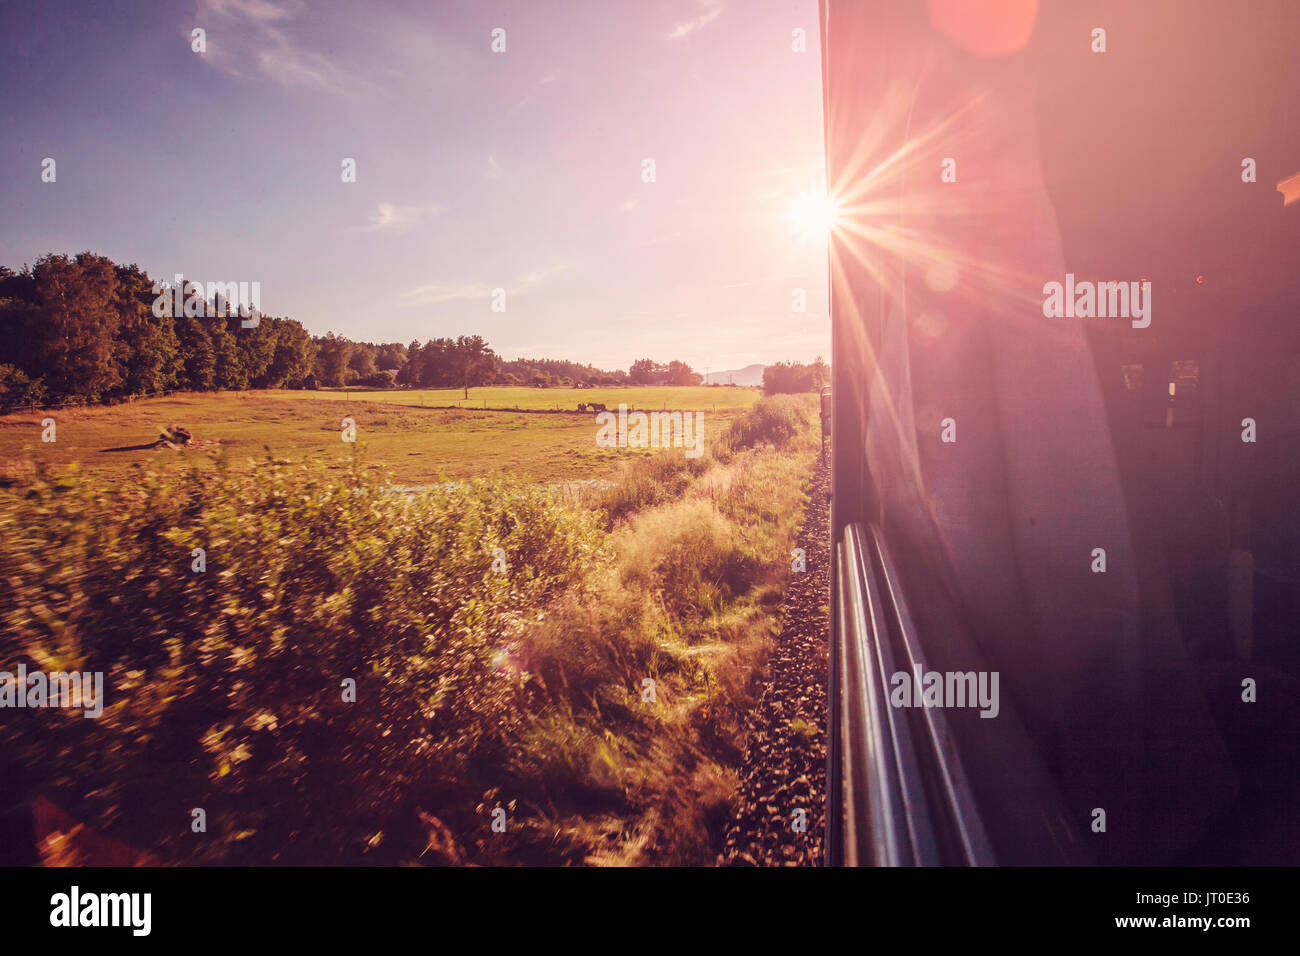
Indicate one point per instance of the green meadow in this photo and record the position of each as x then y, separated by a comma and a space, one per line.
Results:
648, 397
346, 675
413, 434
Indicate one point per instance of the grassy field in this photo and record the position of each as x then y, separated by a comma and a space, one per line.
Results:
499, 633
417, 444
524, 398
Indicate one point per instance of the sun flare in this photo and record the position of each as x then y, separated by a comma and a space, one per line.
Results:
815, 214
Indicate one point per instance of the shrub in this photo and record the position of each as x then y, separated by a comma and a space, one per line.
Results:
17, 389
794, 377
473, 685
773, 421
224, 687
650, 480
691, 553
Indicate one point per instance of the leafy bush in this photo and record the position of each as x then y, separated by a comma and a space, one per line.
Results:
224, 688
773, 421
17, 389
649, 481
692, 554
795, 377
473, 686
655, 479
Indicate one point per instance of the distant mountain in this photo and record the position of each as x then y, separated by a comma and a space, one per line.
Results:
749, 375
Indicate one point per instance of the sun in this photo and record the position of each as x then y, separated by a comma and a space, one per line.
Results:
815, 214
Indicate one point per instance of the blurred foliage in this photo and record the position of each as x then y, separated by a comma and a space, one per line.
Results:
224, 687
774, 421
795, 377
475, 688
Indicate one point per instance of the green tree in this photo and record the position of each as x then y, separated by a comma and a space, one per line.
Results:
197, 357
256, 349
414, 367
679, 373
17, 389
148, 349
475, 360
392, 355
75, 343
362, 360
644, 371
794, 377
294, 356
230, 369
333, 354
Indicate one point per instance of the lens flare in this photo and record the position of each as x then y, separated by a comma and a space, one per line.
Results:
814, 215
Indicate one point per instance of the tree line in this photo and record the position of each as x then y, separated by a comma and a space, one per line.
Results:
84, 329
795, 377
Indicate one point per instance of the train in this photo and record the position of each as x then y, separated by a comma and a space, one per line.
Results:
1091, 495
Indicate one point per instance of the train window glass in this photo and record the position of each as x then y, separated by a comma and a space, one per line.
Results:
1185, 373
1132, 377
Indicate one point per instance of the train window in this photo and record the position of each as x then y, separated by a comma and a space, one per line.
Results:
1185, 373
1121, 673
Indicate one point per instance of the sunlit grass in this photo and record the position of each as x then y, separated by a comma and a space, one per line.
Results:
418, 445
477, 688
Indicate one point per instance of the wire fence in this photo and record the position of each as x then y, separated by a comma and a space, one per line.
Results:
34, 407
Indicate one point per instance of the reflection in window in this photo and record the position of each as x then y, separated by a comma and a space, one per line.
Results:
1185, 373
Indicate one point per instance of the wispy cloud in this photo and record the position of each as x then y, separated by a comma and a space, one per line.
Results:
244, 33
388, 215
265, 11
547, 80
437, 293
712, 10
534, 276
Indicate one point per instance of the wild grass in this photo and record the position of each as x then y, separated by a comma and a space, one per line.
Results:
689, 603
416, 445
649, 397
522, 687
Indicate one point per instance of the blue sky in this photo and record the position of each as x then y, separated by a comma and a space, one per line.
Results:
476, 170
